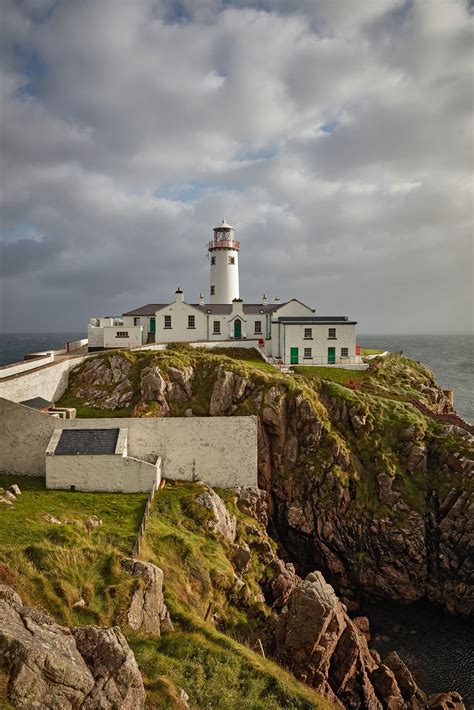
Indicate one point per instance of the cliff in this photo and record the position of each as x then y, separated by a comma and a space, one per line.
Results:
363, 486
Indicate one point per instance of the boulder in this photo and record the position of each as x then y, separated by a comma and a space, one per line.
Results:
446, 701
52, 667
9, 495
241, 557
147, 608
14, 489
221, 521
52, 519
228, 389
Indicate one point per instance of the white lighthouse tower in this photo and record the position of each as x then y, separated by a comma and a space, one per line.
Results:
224, 257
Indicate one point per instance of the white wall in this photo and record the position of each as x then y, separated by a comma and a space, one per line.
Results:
18, 367
179, 331
292, 335
133, 340
293, 308
104, 472
49, 381
219, 450
224, 276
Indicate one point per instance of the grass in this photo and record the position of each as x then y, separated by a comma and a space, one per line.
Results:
52, 566
370, 351
331, 374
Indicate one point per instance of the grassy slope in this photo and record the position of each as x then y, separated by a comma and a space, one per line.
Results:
52, 566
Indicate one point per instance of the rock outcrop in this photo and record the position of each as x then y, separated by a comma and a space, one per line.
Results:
319, 643
221, 521
53, 667
147, 608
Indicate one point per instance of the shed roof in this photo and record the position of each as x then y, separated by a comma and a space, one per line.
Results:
87, 441
37, 403
211, 308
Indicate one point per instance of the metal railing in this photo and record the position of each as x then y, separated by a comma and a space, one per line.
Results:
224, 244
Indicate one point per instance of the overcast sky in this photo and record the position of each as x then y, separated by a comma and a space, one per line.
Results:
336, 135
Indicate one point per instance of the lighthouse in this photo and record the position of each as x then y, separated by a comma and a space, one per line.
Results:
224, 258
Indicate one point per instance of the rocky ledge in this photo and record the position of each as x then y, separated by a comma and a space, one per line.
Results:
52, 666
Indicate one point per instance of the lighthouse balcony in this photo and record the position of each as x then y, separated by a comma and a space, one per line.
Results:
224, 244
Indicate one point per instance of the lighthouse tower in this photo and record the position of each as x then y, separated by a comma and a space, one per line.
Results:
224, 257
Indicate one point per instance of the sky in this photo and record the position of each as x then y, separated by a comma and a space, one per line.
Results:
335, 135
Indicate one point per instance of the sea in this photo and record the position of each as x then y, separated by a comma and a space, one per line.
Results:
437, 646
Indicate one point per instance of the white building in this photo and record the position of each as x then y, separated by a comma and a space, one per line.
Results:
289, 332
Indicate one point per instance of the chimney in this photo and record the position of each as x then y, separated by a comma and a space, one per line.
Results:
201, 299
276, 300
179, 295
264, 299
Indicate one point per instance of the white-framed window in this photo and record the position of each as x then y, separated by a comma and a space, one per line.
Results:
213, 290
136, 321
308, 352
122, 334
213, 260
308, 333
231, 259
331, 333
344, 352
258, 327
216, 327
191, 321
168, 322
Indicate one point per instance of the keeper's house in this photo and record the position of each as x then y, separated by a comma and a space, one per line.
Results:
290, 332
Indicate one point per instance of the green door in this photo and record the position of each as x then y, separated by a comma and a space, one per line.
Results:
238, 329
294, 356
331, 356
152, 325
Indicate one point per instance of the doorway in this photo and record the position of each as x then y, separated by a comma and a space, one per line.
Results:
294, 356
237, 329
331, 356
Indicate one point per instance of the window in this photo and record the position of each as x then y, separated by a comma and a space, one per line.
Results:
213, 260
216, 327
213, 290
258, 326
344, 352
167, 321
191, 321
308, 333
308, 352
231, 259
122, 334
331, 333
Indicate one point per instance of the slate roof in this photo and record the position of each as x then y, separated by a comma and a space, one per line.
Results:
86, 441
208, 308
37, 403
317, 320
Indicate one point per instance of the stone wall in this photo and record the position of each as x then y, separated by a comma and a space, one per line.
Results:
219, 450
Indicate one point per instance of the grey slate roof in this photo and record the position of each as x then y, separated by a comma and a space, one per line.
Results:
37, 403
208, 308
317, 320
87, 441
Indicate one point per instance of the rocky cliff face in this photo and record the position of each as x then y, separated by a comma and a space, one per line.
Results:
52, 666
362, 485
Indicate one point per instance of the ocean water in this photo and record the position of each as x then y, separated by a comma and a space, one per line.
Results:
13, 346
450, 357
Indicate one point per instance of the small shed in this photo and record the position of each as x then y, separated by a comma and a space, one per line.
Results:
96, 460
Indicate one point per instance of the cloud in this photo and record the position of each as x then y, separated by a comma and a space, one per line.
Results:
335, 135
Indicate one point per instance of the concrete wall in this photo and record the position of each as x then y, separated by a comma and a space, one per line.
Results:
49, 381
112, 473
19, 367
219, 450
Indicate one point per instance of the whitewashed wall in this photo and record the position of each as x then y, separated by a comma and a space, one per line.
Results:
19, 367
290, 336
49, 381
112, 473
219, 450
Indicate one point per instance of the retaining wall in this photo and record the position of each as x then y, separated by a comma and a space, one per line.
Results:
20, 367
219, 450
48, 381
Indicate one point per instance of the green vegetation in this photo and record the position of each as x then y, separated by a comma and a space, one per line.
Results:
52, 566
370, 351
331, 374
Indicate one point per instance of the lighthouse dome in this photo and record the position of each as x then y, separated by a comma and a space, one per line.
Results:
224, 225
